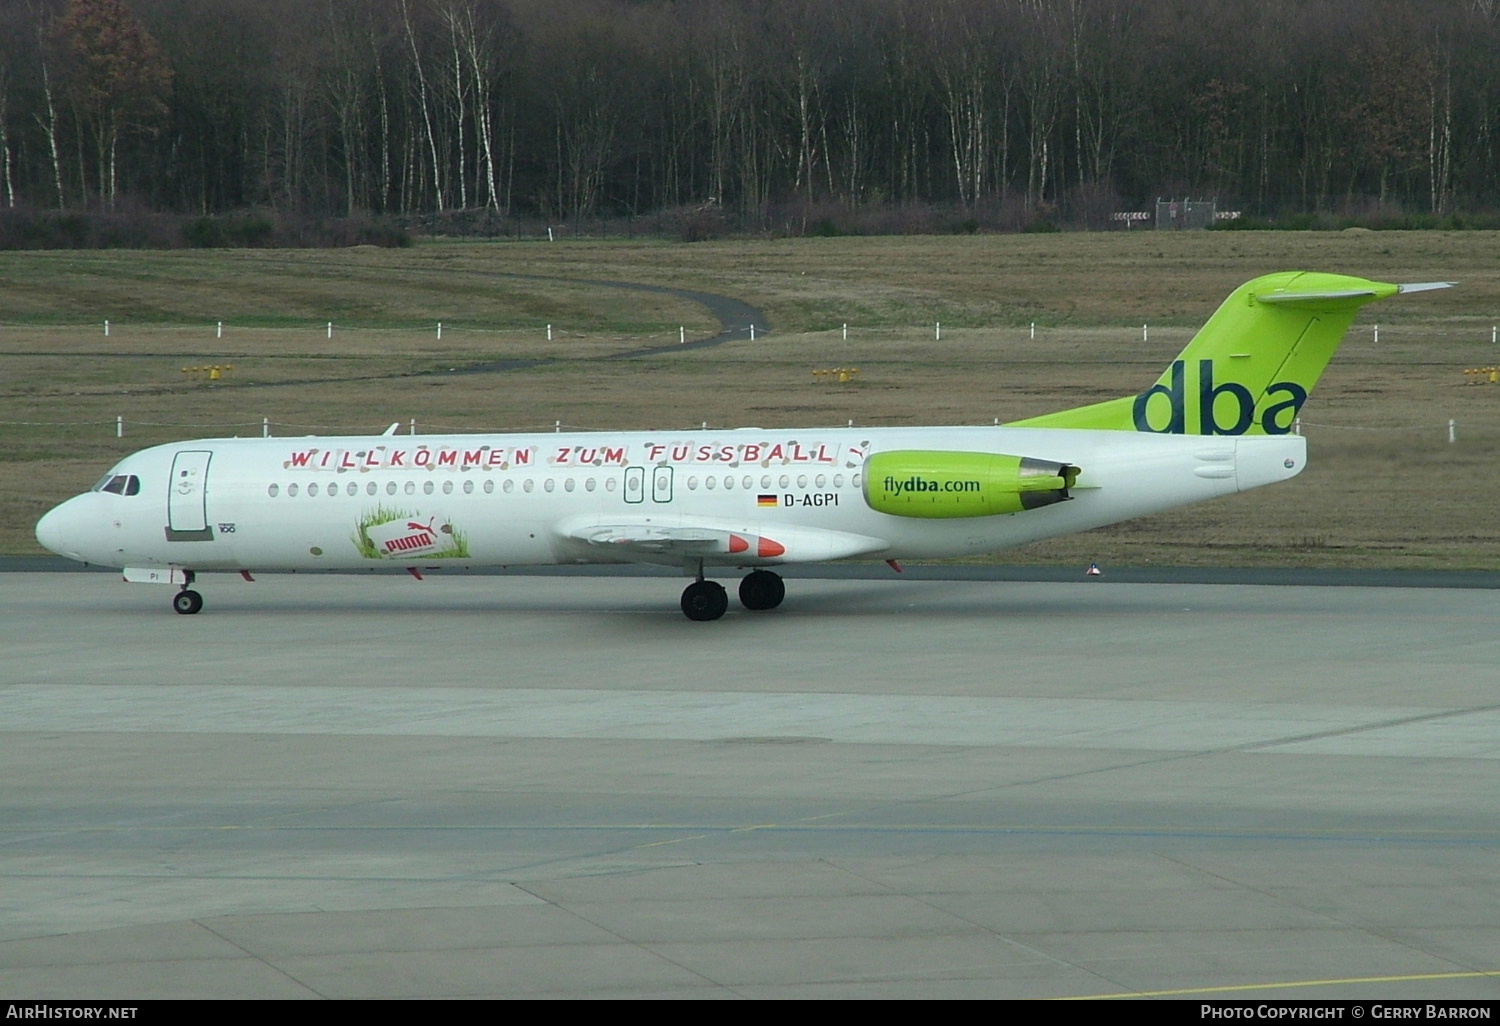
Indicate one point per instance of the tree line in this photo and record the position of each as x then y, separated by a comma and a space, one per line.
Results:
1005, 112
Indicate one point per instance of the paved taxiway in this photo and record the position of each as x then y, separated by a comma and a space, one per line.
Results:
473, 786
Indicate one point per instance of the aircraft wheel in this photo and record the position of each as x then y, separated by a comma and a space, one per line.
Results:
187, 602
704, 600
761, 589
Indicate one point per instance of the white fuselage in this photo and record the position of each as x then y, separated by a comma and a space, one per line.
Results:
346, 503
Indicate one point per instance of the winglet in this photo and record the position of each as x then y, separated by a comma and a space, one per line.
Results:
1425, 286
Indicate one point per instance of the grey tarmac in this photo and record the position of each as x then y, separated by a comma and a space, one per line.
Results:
555, 786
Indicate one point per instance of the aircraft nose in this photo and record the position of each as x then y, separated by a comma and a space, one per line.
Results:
56, 530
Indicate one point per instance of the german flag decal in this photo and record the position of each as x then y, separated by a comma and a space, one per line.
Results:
765, 500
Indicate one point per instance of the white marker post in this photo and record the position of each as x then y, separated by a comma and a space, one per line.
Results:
1377, 333
1145, 333
1033, 331
219, 333
1452, 432
106, 329
846, 331
265, 427
937, 332
330, 329
681, 334
440, 331
752, 333
119, 427
414, 425
549, 333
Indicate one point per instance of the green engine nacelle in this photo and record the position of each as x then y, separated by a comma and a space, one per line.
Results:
917, 483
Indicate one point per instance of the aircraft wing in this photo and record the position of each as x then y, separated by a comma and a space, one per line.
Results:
672, 539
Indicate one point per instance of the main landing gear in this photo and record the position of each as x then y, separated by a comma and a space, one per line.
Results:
187, 601
707, 600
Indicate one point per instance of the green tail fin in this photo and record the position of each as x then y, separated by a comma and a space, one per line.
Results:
1250, 368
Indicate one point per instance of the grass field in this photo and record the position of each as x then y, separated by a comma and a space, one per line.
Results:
1384, 487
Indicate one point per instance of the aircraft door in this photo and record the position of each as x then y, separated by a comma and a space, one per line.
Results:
187, 497
661, 484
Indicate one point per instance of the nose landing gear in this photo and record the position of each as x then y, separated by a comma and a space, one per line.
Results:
187, 601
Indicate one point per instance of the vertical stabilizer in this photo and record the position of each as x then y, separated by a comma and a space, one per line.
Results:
1250, 368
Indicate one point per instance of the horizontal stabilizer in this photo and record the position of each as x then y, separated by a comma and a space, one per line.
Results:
1313, 298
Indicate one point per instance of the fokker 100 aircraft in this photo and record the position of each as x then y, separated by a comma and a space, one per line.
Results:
1218, 420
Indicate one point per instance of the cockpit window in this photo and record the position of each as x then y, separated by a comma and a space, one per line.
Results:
119, 484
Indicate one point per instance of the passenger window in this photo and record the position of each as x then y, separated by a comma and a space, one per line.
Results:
273, 491
291, 489
312, 489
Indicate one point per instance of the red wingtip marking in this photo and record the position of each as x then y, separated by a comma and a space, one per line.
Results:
768, 548
246, 575
737, 544
895, 566
414, 572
